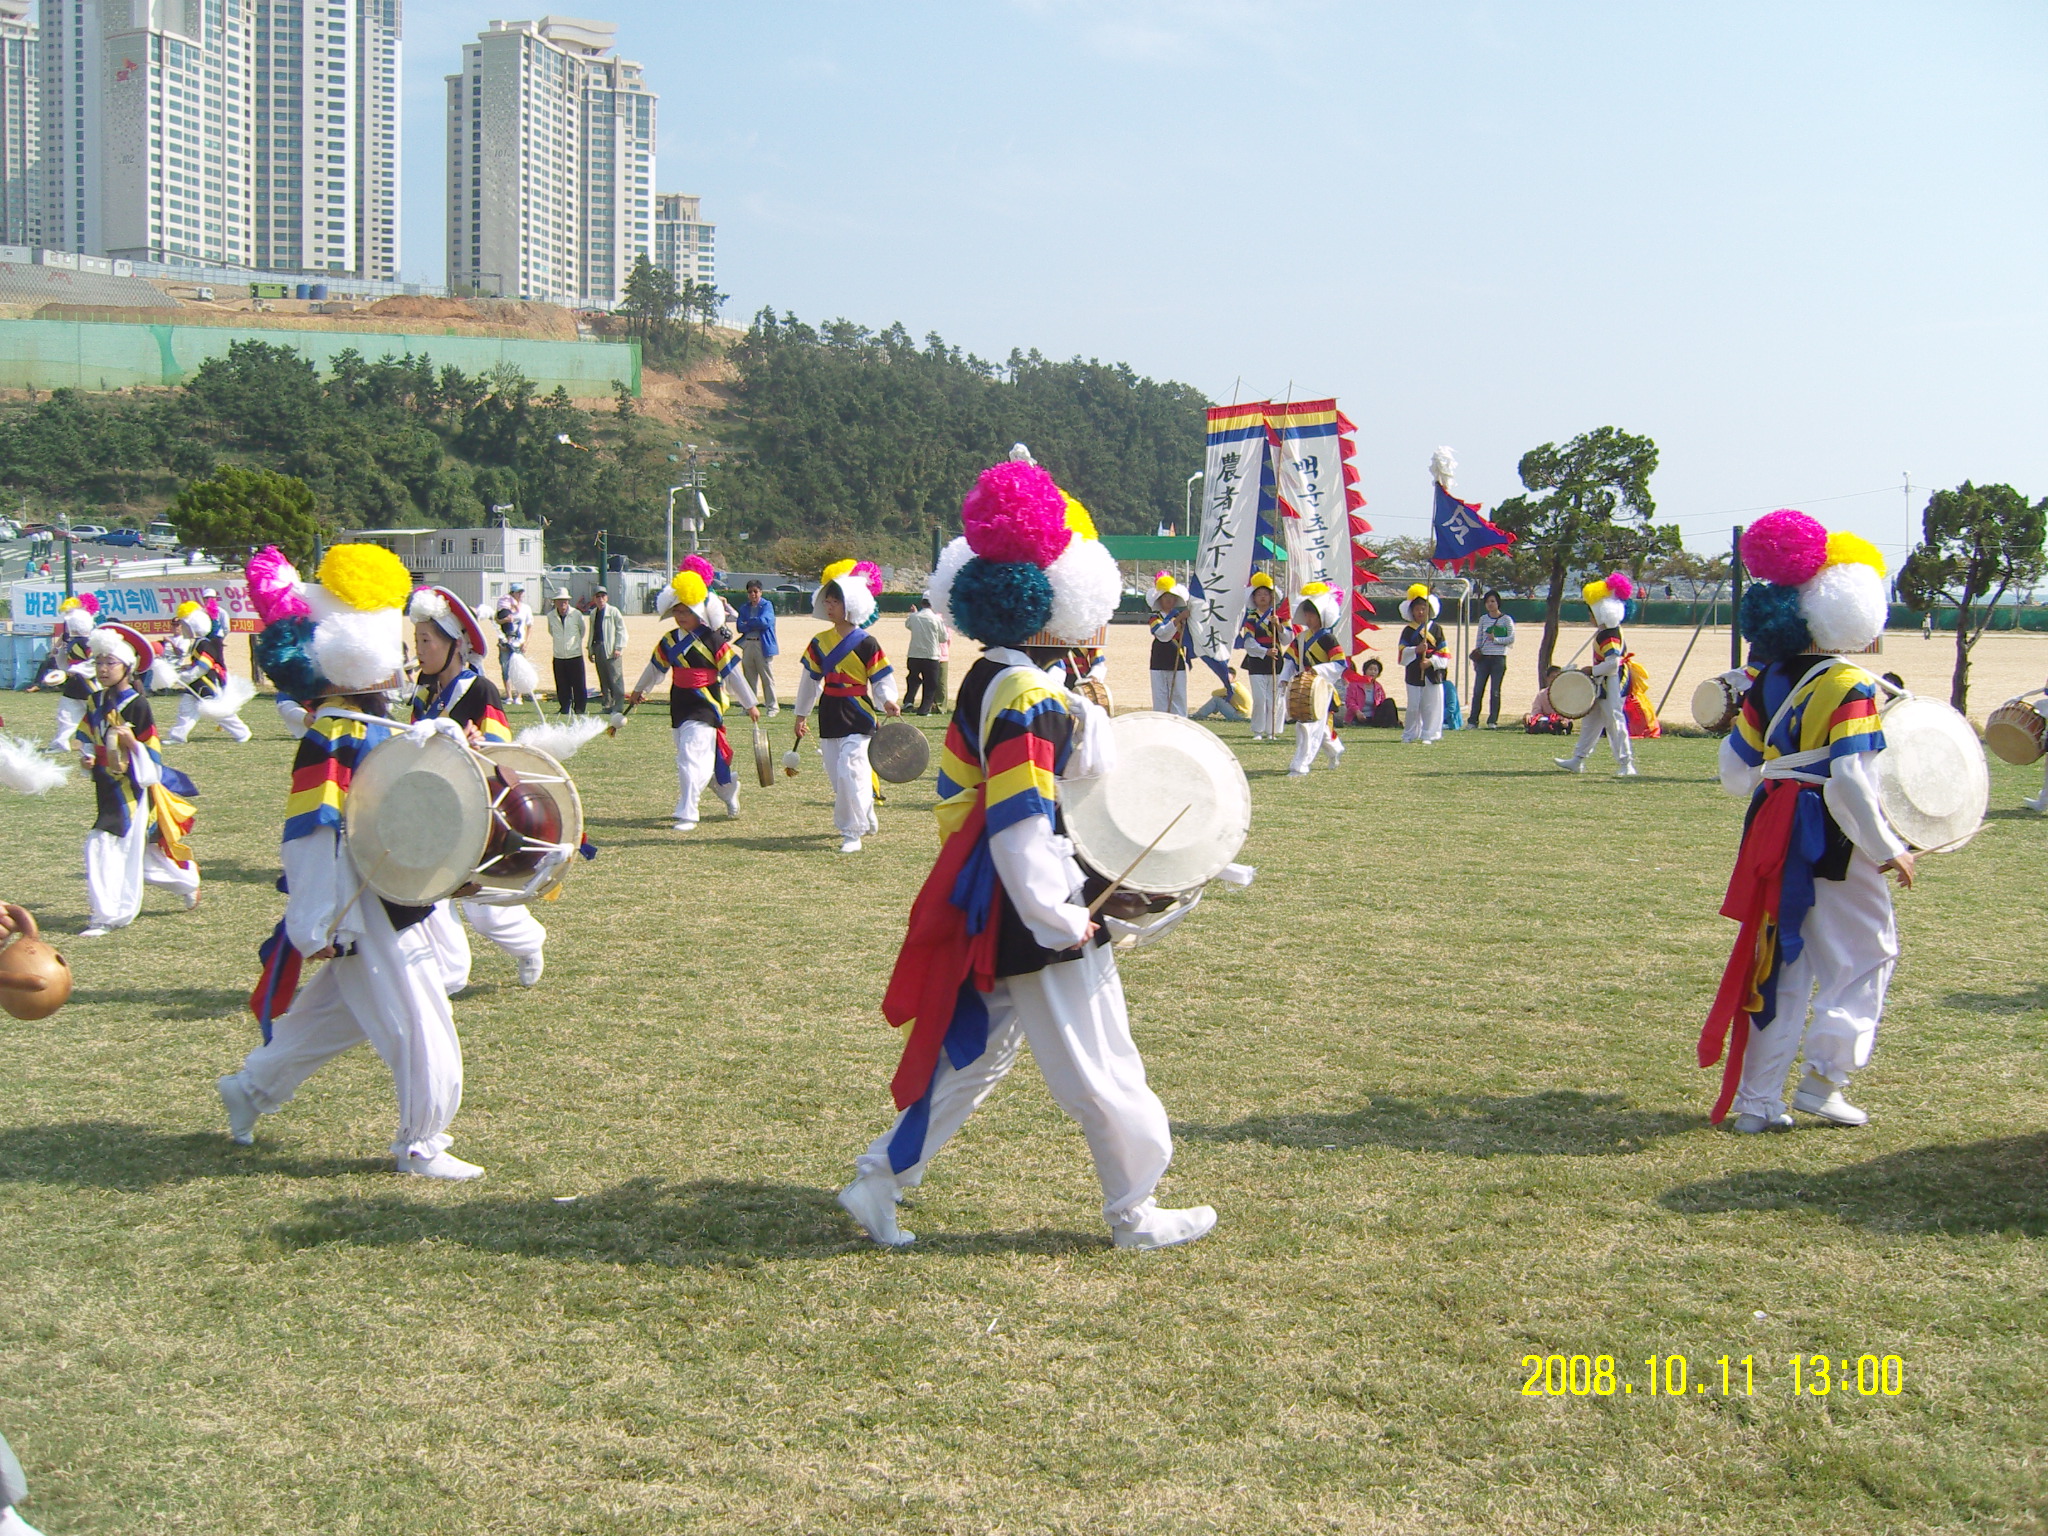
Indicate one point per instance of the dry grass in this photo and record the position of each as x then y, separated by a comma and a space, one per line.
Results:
1434, 1069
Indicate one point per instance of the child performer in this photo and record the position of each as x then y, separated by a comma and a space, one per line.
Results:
1316, 648
701, 665
71, 666
449, 645
143, 818
1808, 887
200, 672
841, 666
1609, 600
1173, 648
1262, 637
1001, 947
1426, 656
336, 647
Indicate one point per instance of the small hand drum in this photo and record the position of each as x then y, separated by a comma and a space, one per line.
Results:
1573, 695
1308, 699
899, 752
2017, 732
1717, 701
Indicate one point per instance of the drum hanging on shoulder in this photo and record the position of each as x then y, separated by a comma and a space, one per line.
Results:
1096, 692
1163, 763
1718, 700
1573, 695
1308, 699
2017, 732
536, 825
1933, 783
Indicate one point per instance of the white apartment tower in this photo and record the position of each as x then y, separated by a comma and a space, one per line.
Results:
682, 240
327, 141
21, 128
550, 163
237, 133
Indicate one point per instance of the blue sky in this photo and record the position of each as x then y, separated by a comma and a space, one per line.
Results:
1801, 245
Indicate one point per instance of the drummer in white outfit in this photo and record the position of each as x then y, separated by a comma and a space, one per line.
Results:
1422, 644
1608, 599
1170, 645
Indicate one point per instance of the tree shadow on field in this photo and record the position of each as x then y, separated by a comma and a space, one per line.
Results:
1999, 1185
1558, 1124
2031, 1000
111, 1154
693, 1225
171, 1002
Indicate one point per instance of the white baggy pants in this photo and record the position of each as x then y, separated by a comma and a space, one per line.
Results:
696, 766
514, 930
1609, 719
69, 713
1170, 692
1073, 1015
189, 716
116, 869
853, 784
1851, 946
1425, 712
1311, 737
390, 993
1269, 703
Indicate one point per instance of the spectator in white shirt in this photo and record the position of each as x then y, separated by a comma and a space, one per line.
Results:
929, 638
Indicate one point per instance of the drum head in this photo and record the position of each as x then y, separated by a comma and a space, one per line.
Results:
418, 816
2014, 732
764, 760
538, 770
1932, 778
1573, 695
899, 752
1713, 705
1163, 762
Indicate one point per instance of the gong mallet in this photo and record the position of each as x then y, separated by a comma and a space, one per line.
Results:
1117, 884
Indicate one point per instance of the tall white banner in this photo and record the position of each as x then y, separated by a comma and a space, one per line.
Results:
1234, 482
1309, 482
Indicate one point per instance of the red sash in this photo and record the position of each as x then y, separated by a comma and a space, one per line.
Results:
1754, 891
938, 954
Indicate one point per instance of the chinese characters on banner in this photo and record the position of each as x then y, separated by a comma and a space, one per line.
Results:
1236, 493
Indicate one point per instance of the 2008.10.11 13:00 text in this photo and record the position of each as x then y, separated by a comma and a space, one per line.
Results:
1723, 1376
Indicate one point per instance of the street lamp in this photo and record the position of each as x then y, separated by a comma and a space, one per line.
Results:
1188, 502
672, 526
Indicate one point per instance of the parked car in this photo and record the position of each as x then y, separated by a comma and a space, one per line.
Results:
130, 538
8, 529
87, 531
161, 536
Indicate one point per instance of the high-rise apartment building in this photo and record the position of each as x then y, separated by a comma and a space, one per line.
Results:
235, 133
21, 128
327, 138
682, 240
550, 163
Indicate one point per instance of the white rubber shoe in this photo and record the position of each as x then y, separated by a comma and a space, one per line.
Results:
1627, 771
2037, 802
849, 845
442, 1165
1156, 1228
871, 1201
530, 967
683, 826
242, 1111
96, 931
1569, 764
1823, 1100
1756, 1125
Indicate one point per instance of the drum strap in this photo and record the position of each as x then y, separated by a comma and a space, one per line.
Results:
1791, 765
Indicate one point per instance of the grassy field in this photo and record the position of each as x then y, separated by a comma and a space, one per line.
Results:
1434, 1069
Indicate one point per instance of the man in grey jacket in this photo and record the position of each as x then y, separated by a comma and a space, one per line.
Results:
608, 652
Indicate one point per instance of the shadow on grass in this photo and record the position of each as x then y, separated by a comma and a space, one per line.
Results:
235, 872
697, 1224
110, 1154
2000, 1185
2034, 998
1558, 1123
171, 1002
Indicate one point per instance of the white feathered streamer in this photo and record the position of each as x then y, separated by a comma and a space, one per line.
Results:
521, 681
234, 693
561, 741
163, 675
27, 771
1443, 468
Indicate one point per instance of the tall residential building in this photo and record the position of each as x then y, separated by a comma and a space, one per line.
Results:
550, 163
21, 128
682, 241
327, 142
233, 133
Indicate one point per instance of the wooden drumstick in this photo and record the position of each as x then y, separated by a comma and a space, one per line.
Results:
1117, 884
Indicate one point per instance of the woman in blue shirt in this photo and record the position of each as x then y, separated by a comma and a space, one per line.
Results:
755, 621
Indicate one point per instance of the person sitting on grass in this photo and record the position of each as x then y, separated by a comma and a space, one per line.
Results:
1233, 701
1542, 719
1366, 701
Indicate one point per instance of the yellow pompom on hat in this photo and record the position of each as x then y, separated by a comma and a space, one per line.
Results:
1261, 579
184, 608
1320, 596
1163, 582
835, 570
1854, 549
68, 604
365, 577
1595, 592
1419, 589
1078, 521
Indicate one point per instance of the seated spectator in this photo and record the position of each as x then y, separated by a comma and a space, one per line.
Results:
1233, 701
1365, 701
1542, 720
